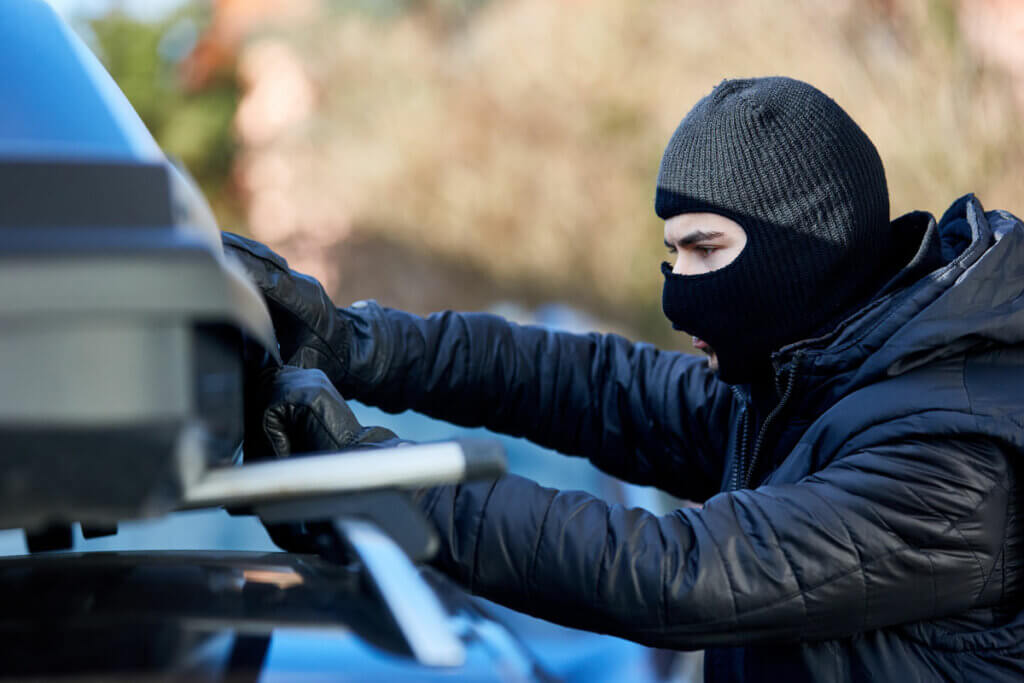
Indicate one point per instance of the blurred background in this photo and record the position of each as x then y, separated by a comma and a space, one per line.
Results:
460, 153
501, 155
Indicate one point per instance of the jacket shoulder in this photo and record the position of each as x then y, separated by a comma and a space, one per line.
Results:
930, 400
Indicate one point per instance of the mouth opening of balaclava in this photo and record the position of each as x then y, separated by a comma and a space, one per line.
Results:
806, 185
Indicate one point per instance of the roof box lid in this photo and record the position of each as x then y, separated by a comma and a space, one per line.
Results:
81, 175
59, 101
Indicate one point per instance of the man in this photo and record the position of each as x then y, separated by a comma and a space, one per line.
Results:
855, 437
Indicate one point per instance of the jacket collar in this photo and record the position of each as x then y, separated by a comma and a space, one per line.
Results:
939, 304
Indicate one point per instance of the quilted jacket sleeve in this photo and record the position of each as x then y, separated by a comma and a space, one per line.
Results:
902, 532
644, 415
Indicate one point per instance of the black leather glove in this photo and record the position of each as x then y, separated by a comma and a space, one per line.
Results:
291, 411
302, 412
311, 331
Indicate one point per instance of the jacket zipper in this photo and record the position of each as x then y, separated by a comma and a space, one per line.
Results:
741, 450
772, 416
742, 441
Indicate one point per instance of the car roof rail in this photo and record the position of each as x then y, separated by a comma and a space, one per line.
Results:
362, 494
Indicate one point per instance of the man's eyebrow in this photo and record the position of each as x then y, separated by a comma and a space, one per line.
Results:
694, 237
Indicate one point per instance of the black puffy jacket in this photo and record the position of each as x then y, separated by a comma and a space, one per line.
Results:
880, 537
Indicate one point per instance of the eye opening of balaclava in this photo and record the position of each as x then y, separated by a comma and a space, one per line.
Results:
807, 186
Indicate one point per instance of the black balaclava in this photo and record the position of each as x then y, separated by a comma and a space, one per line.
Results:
791, 167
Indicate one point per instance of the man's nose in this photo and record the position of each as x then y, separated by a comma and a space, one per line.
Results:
679, 267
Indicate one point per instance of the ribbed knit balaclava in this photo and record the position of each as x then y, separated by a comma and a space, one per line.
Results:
791, 167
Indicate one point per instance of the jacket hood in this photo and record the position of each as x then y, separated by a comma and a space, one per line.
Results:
974, 299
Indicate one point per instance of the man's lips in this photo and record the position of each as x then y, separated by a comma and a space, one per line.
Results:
700, 344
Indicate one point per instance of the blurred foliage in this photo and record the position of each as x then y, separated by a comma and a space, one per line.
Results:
193, 128
448, 11
524, 136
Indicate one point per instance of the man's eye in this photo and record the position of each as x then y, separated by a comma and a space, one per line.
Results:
707, 251
671, 250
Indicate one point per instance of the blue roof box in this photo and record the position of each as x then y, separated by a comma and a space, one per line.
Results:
122, 322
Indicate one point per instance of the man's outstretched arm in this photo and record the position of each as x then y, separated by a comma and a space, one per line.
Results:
647, 416
636, 412
898, 533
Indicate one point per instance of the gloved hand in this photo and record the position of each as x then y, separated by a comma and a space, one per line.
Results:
302, 412
290, 411
311, 331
